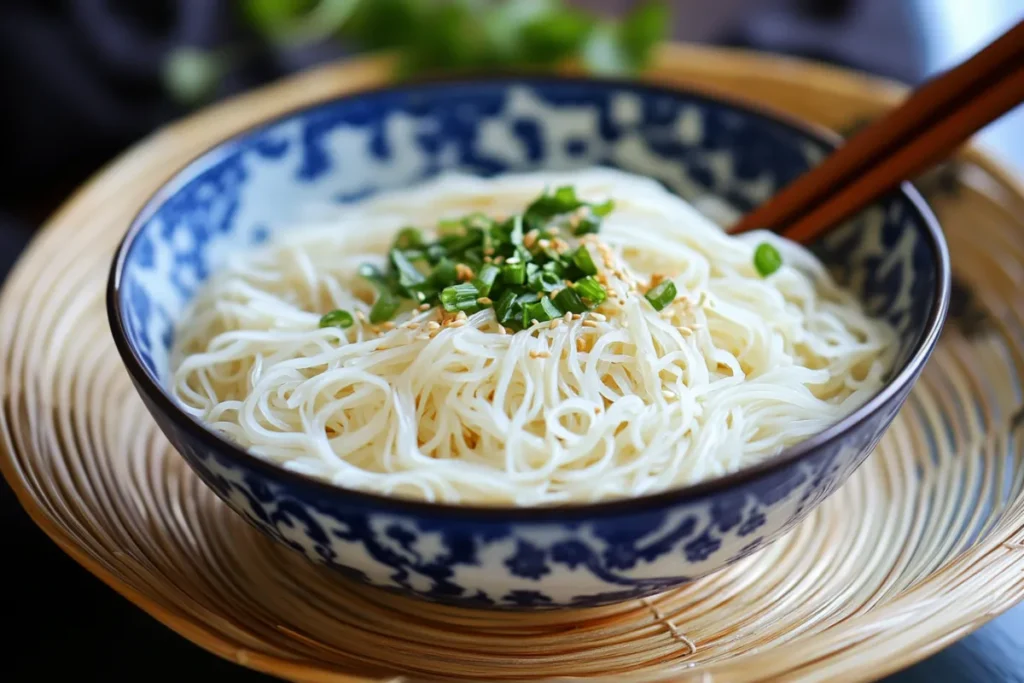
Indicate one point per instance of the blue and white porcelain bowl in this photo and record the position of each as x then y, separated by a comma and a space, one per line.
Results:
240, 192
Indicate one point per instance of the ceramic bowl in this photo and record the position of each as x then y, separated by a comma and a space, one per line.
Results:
709, 151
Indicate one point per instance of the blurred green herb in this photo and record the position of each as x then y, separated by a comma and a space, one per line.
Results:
442, 35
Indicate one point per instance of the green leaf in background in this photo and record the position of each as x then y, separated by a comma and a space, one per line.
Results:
603, 53
646, 26
441, 35
191, 75
449, 37
504, 25
298, 21
555, 35
383, 24
616, 49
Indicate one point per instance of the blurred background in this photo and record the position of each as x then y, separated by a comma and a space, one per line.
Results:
81, 80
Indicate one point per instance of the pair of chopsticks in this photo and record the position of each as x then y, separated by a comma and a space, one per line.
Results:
924, 130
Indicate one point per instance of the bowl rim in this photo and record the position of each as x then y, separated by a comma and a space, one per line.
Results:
474, 513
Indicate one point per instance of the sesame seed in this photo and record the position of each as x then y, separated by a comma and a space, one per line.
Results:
458, 323
529, 238
555, 323
589, 323
463, 272
598, 317
501, 330
540, 354
360, 316
423, 337
432, 325
543, 244
424, 307
461, 315
567, 317
388, 325
576, 316
484, 301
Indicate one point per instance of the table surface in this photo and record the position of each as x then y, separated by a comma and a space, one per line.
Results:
69, 623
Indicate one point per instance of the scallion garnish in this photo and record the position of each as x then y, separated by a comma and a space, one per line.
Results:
485, 279
409, 278
506, 307
590, 290
583, 261
409, 238
444, 274
767, 259
662, 294
569, 301
384, 308
338, 318
541, 311
544, 281
461, 297
514, 273
477, 261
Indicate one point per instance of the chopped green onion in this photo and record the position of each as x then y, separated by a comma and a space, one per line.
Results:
528, 298
409, 277
485, 279
434, 272
506, 307
591, 290
767, 259
603, 209
514, 273
586, 226
436, 252
459, 243
541, 311
451, 228
370, 273
555, 267
444, 274
568, 300
409, 238
517, 231
662, 294
478, 221
543, 281
338, 318
562, 200
461, 297
415, 254
583, 261
384, 308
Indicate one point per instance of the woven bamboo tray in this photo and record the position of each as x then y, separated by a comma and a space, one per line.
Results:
922, 546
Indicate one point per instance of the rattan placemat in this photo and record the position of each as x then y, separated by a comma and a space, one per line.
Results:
920, 547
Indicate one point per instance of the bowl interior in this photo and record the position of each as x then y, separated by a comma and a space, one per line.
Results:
722, 157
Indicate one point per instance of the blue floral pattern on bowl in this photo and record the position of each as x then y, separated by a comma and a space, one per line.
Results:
239, 193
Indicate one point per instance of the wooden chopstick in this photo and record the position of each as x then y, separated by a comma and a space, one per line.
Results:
928, 126
919, 153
